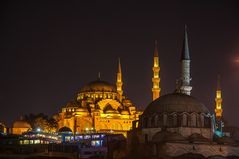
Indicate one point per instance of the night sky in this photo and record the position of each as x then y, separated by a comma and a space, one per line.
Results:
50, 49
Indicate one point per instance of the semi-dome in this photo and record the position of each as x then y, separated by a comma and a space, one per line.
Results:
64, 129
98, 85
175, 102
111, 112
21, 124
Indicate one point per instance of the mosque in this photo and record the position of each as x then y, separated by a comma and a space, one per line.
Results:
100, 107
178, 125
174, 125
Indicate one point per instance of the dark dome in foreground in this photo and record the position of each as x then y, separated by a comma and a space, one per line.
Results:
98, 85
175, 102
64, 129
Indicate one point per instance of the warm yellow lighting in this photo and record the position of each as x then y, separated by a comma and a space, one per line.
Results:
101, 110
218, 100
156, 78
236, 60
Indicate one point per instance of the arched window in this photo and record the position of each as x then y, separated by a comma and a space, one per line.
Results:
202, 120
152, 124
170, 120
198, 120
160, 120
207, 122
175, 120
165, 120
179, 120
193, 120
156, 121
145, 122
184, 120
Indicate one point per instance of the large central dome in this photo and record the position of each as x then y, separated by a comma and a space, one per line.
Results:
98, 85
175, 102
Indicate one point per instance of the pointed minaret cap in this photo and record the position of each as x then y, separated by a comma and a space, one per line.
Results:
119, 66
156, 48
218, 82
99, 76
185, 50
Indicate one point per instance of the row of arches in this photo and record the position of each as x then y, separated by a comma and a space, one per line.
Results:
87, 126
176, 120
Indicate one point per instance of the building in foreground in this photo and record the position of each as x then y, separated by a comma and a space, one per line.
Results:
178, 125
3, 128
100, 107
19, 127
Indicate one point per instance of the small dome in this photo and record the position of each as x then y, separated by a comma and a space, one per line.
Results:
64, 129
98, 85
82, 109
72, 104
125, 112
21, 124
175, 102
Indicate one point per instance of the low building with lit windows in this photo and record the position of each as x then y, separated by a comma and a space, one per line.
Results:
3, 128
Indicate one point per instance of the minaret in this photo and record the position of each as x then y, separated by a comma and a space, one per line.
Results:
185, 78
156, 69
99, 76
119, 82
218, 100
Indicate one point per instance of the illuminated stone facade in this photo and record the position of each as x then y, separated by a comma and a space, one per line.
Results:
20, 126
100, 107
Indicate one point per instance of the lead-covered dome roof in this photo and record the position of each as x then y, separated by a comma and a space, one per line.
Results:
98, 85
21, 124
175, 102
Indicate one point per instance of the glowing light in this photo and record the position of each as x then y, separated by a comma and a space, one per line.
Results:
38, 130
236, 60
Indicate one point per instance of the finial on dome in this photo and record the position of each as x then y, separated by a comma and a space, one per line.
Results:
21, 117
99, 76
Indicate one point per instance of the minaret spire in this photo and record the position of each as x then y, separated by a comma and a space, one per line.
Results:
185, 78
156, 68
156, 54
218, 110
119, 81
218, 99
185, 50
99, 76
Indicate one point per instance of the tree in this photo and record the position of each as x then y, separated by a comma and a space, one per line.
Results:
41, 121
